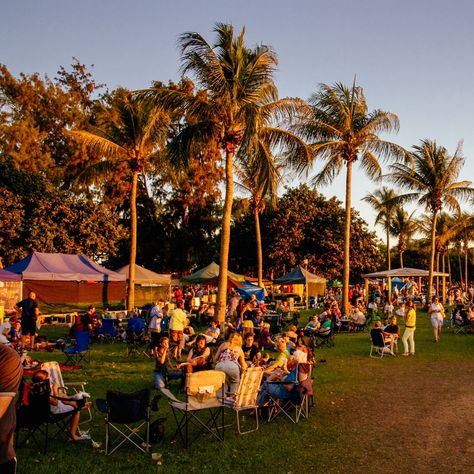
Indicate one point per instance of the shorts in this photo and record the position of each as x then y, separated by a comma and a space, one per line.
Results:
436, 320
28, 327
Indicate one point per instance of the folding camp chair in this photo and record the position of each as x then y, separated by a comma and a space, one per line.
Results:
138, 343
34, 415
324, 339
108, 331
379, 346
246, 396
128, 414
293, 395
56, 378
80, 350
203, 407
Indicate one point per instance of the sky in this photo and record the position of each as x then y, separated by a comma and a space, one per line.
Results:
412, 57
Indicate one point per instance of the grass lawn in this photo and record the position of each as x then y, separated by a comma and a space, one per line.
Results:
397, 414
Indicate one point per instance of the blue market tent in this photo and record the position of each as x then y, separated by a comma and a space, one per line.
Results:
246, 289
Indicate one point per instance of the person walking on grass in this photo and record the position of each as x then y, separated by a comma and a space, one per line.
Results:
437, 316
408, 338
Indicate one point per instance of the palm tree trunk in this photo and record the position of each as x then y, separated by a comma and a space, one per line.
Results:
347, 242
225, 237
432, 256
460, 268
258, 238
133, 242
389, 263
449, 265
401, 259
466, 259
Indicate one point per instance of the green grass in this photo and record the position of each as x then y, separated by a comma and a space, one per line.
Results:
323, 443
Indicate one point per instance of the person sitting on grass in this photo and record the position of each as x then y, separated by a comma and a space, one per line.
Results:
250, 349
265, 339
64, 405
164, 370
198, 357
278, 368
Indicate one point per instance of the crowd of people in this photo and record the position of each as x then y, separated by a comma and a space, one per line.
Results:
245, 340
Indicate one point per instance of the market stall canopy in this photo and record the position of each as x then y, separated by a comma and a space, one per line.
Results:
145, 276
62, 267
246, 289
299, 276
403, 273
210, 275
9, 276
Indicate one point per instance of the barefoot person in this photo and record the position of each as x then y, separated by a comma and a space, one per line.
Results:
64, 405
437, 316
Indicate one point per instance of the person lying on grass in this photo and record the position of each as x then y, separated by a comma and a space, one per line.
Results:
63, 405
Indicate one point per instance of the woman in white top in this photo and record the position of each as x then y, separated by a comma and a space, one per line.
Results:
437, 316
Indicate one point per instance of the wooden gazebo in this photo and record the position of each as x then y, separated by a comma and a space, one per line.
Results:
404, 273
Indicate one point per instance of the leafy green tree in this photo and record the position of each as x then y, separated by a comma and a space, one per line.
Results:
305, 225
35, 113
382, 201
129, 134
38, 217
342, 131
430, 179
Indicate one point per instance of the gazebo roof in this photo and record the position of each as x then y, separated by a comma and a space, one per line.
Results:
403, 273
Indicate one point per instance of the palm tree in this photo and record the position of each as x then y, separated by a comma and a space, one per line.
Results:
382, 201
431, 181
235, 82
342, 131
130, 133
260, 179
404, 226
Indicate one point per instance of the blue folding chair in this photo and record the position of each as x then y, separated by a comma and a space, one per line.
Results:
80, 351
108, 331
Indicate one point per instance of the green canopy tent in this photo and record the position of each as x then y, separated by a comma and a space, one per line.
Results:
149, 286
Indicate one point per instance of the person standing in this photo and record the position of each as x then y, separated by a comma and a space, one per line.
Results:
408, 338
11, 373
29, 316
178, 321
437, 316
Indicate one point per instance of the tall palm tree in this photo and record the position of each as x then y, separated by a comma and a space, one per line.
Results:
235, 82
130, 133
431, 181
260, 179
383, 202
404, 226
464, 229
342, 131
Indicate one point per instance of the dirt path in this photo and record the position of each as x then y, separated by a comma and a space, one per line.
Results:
419, 423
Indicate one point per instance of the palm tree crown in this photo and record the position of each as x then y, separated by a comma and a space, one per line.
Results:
383, 202
130, 133
340, 131
232, 109
430, 179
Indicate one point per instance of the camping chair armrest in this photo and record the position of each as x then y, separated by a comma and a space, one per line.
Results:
75, 384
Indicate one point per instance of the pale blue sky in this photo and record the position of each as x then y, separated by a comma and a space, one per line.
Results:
413, 58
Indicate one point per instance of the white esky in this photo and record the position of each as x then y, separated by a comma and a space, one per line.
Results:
412, 57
